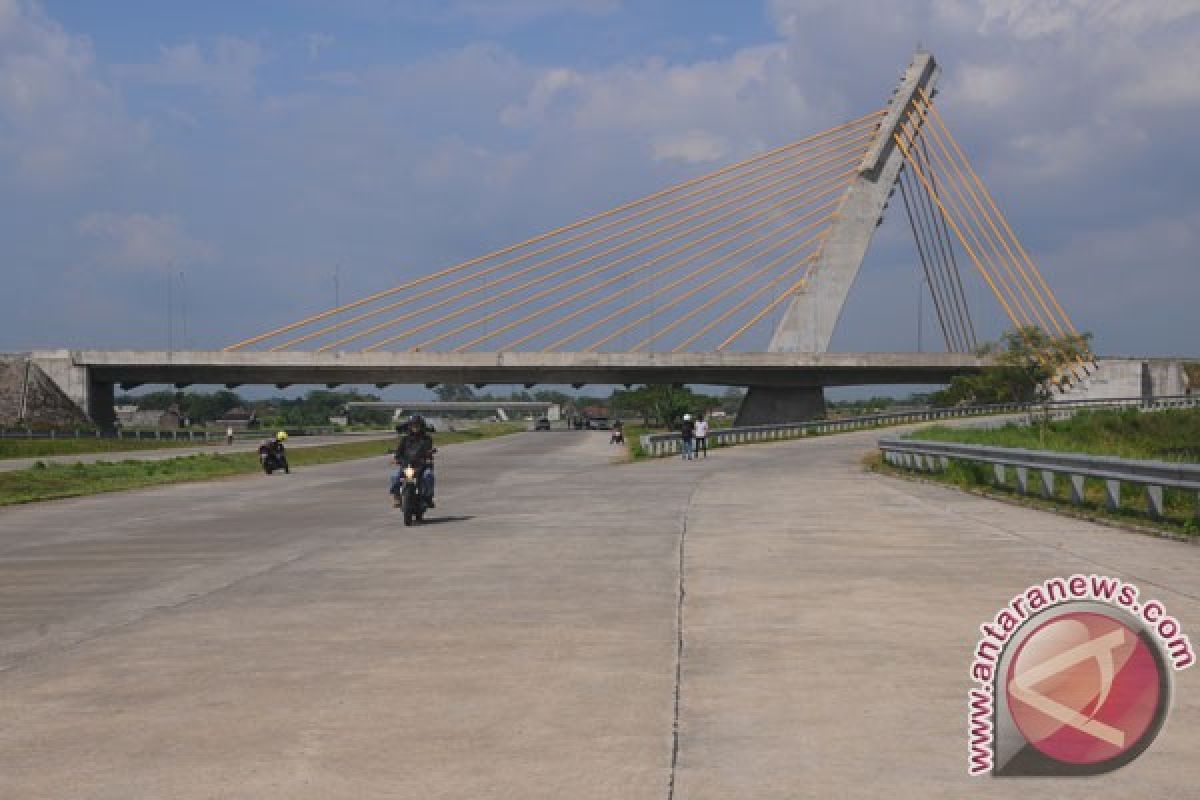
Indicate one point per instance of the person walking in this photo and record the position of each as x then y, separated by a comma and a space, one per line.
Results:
687, 432
701, 436
229, 434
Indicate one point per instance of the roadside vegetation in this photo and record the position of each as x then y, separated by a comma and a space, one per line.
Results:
51, 481
1172, 435
33, 448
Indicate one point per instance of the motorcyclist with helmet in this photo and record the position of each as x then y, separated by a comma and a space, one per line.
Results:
415, 449
274, 450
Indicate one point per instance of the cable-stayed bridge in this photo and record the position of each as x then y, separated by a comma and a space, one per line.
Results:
735, 277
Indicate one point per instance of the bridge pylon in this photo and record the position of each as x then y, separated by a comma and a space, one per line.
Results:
808, 322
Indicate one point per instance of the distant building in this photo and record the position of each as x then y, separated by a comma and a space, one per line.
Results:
133, 417
239, 419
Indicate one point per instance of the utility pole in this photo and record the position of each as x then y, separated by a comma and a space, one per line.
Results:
183, 331
170, 314
920, 309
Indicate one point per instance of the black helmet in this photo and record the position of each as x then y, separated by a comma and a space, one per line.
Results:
416, 421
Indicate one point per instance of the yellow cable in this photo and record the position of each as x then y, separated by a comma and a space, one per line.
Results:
607, 282
788, 163
1048, 315
542, 237
605, 300
954, 224
745, 302
573, 281
1004, 221
955, 195
778, 177
558, 344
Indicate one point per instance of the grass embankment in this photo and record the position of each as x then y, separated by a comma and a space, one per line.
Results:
34, 448
51, 481
1163, 435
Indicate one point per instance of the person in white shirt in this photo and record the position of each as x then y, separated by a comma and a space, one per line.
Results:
701, 436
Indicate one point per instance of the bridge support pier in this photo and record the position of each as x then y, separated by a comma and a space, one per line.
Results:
766, 405
92, 398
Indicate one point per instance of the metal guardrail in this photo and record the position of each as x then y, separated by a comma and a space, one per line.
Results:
667, 444
1153, 476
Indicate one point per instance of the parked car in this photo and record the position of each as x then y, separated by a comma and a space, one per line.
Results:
599, 424
542, 424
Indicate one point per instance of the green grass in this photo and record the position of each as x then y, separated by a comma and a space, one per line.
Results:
51, 481
1179, 506
1164, 435
34, 448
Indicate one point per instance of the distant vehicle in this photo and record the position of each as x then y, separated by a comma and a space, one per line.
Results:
599, 424
542, 424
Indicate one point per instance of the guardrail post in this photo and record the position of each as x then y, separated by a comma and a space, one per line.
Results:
1023, 480
1154, 501
1077, 489
1112, 494
1000, 472
945, 462
1048, 481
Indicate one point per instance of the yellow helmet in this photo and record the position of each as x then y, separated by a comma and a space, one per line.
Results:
281, 436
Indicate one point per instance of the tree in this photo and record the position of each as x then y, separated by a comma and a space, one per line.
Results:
1029, 364
662, 402
454, 392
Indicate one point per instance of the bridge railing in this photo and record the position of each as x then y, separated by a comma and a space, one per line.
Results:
1152, 476
667, 444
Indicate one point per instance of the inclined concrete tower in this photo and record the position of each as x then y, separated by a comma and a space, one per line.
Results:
809, 321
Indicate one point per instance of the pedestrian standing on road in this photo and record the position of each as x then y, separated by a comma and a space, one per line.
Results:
229, 434
701, 436
687, 432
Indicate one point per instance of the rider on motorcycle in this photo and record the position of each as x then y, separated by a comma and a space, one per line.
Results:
415, 448
275, 450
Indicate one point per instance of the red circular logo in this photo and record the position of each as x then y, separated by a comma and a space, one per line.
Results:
1084, 688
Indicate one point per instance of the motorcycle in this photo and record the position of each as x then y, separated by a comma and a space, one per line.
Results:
409, 489
271, 459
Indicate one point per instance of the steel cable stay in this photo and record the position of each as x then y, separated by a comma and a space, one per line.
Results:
743, 303
846, 161
1029, 292
940, 124
700, 287
733, 226
947, 247
728, 271
956, 225
952, 200
738, 182
941, 267
865, 121
705, 267
920, 239
762, 271
590, 273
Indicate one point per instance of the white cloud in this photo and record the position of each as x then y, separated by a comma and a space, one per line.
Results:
59, 122
228, 67
142, 242
693, 147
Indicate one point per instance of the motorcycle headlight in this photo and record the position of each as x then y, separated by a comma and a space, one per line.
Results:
409, 472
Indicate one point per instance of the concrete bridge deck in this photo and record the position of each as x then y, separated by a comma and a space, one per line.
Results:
733, 369
285, 637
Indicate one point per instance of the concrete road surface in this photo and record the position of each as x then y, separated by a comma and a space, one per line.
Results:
158, 454
286, 637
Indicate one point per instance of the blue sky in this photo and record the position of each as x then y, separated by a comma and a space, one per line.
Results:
256, 146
